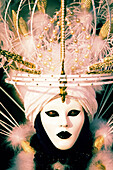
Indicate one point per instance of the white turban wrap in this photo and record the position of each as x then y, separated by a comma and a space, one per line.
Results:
36, 99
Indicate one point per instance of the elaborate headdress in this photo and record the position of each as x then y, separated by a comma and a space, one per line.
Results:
66, 55
59, 53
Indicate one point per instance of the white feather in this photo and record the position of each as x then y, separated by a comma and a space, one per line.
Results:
100, 48
100, 127
40, 20
105, 157
21, 133
86, 19
26, 47
23, 161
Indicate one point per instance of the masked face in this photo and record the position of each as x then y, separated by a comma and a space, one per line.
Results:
62, 122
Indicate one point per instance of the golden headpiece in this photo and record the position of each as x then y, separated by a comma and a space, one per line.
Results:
85, 57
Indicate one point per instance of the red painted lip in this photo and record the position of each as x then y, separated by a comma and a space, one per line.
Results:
64, 135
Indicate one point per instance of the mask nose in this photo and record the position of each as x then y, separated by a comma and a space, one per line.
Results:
63, 121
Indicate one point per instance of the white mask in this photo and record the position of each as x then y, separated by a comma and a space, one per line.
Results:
62, 122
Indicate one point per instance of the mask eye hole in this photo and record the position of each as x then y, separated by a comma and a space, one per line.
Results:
52, 113
73, 112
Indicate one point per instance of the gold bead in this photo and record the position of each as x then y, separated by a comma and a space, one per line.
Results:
45, 63
58, 23
75, 41
39, 45
72, 68
72, 32
88, 36
76, 59
46, 28
77, 50
57, 13
77, 20
41, 37
86, 56
50, 58
68, 23
55, 38
51, 40
49, 49
54, 31
40, 55
89, 47
83, 28
51, 20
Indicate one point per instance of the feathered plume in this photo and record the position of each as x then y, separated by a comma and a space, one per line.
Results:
102, 160
20, 134
102, 132
22, 161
